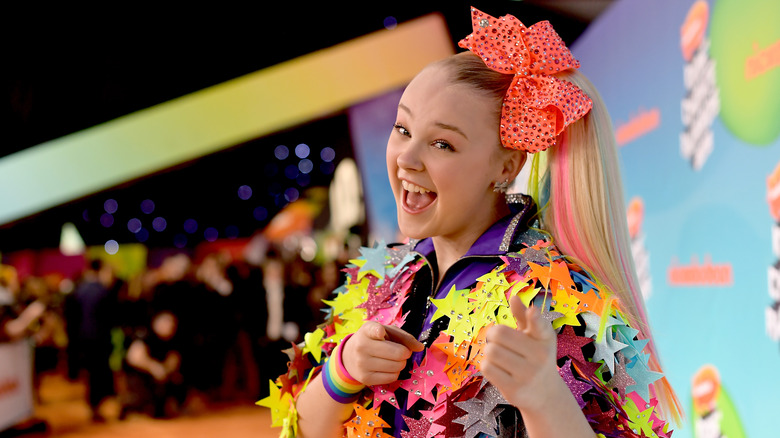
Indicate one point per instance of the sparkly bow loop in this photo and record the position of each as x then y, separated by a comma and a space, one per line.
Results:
537, 106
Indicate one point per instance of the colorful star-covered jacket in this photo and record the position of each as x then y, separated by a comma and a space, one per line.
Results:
441, 393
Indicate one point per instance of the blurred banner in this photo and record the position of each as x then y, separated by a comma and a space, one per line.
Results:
16, 392
693, 88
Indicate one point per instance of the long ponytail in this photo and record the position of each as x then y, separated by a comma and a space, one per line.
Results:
578, 187
585, 214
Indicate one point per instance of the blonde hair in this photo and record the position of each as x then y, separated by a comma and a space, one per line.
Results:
580, 194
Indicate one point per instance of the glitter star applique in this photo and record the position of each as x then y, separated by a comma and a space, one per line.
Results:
620, 378
607, 350
417, 428
569, 344
576, 386
593, 323
377, 298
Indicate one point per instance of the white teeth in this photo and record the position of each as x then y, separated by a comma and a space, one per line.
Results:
413, 187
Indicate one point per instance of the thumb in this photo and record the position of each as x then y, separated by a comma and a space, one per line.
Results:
519, 312
375, 331
536, 326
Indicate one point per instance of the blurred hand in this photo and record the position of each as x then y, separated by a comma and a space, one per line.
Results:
377, 353
521, 362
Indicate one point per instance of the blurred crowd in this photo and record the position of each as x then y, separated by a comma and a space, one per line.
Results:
173, 338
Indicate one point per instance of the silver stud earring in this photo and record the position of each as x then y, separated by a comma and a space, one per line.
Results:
501, 187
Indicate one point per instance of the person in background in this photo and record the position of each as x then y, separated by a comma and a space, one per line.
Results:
153, 369
90, 312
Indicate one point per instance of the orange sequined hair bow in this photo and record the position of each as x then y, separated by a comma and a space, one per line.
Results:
538, 105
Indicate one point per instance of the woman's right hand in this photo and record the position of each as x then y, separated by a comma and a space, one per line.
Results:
376, 353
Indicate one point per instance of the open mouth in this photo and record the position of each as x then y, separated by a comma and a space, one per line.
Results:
416, 199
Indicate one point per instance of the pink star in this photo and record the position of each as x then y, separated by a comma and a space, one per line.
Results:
432, 369
571, 345
417, 428
416, 387
386, 393
377, 298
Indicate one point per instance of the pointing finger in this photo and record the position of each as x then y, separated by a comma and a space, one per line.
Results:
399, 336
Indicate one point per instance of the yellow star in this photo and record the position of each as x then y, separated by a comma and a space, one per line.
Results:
355, 295
494, 281
525, 291
313, 343
445, 306
639, 419
566, 304
278, 403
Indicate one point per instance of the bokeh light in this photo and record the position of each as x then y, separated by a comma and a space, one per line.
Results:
85, 215
327, 154
134, 225
190, 226
302, 150
111, 247
291, 194
106, 220
305, 165
159, 224
211, 234
147, 206
110, 206
390, 23
245, 192
291, 171
260, 213
281, 152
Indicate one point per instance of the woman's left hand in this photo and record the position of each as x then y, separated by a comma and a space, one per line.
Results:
521, 362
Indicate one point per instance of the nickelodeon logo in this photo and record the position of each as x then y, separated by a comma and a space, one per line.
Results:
700, 274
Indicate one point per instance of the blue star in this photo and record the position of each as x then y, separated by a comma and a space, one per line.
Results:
376, 259
593, 321
643, 377
606, 351
626, 335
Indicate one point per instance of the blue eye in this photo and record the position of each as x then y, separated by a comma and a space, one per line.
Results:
402, 130
441, 144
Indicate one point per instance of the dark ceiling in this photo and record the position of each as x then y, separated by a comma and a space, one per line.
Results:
72, 69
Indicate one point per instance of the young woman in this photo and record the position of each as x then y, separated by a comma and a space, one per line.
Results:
498, 317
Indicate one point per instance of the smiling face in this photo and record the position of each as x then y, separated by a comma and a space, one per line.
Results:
443, 158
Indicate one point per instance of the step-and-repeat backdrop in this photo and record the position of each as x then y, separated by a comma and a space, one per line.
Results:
693, 88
